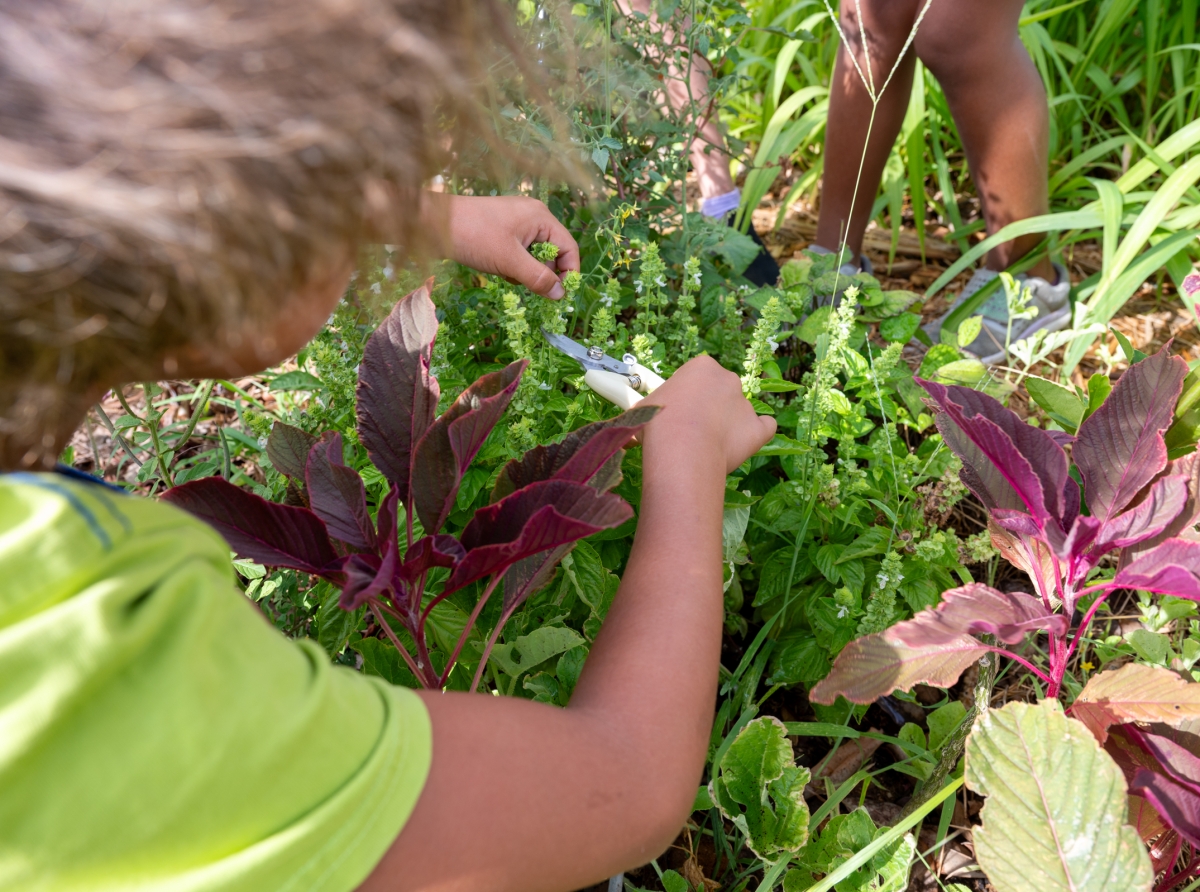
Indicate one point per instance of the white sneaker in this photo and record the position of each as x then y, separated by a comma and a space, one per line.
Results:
1052, 302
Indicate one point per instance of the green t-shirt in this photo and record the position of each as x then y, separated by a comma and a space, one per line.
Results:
156, 733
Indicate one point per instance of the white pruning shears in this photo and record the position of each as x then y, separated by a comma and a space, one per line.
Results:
622, 382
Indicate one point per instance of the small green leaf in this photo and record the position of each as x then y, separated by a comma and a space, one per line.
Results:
775, 385
1150, 646
942, 722
900, 328
1099, 387
1131, 353
703, 801
1055, 814
334, 625
969, 330
1061, 404
674, 882
296, 380
530, 651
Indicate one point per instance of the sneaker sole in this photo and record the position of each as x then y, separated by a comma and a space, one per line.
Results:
1056, 321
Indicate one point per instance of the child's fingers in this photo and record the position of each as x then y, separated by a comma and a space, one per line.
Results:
533, 274
568, 249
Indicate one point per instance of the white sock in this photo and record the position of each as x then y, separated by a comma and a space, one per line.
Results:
720, 205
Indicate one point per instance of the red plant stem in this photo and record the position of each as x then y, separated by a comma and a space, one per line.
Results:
487, 651
1173, 878
379, 618
462, 639
1087, 619
1024, 662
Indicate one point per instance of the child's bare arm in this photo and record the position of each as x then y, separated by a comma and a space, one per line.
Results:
527, 797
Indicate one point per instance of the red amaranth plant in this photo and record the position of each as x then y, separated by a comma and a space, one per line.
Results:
1137, 505
542, 504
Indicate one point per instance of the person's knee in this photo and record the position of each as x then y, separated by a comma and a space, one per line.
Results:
955, 57
885, 26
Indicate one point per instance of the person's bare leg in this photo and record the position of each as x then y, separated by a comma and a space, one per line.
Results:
999, 104
687, 88
886, 25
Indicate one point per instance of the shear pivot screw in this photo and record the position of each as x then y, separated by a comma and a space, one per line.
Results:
635, 381
595, 353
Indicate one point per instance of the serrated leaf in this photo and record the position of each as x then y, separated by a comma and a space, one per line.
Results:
900, 328
761, 790
1120, 447
397, 396
1135, 693
530, 651
258, 530
1054, 819
296, 379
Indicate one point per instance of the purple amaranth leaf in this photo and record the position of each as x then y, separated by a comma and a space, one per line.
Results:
1013, 465
397, 396
1191, 287
451, 443
258, 530
336, 494
1120, 448
935, 646
537, 518
1163, 503
529, 574
578, 456
1172, 784
367, 576
429, 552
1172, 568
1183, 524
1080, 538
288, 449
1136, 693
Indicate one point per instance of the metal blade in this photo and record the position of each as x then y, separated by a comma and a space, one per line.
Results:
593, 359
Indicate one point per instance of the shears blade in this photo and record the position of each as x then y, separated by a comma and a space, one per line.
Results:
588, 357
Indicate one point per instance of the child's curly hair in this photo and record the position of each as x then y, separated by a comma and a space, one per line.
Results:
169, 164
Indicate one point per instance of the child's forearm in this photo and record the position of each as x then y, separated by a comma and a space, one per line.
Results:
653, 670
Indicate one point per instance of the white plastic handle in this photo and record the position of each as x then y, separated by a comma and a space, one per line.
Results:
650, 380
613, 387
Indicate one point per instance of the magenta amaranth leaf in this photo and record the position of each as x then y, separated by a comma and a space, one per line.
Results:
978, 608
1162, 504
258, 530
1120, 448
1080, 538
1018, 466
1172, 568
367, 576
935, 646
288, 449
397, 397
1191, 287
1172, 784
1183, 524
537, 518
336, 494
445, 452
578, 456
429, 552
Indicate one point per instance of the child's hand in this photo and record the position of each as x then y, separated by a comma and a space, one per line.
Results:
493, 235
703, 408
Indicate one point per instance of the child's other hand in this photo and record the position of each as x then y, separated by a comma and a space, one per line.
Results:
703, 407
493, 235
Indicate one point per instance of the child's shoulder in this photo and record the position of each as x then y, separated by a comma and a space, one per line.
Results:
60, 533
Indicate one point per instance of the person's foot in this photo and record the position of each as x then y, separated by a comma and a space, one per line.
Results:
763, 270
1051, 300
